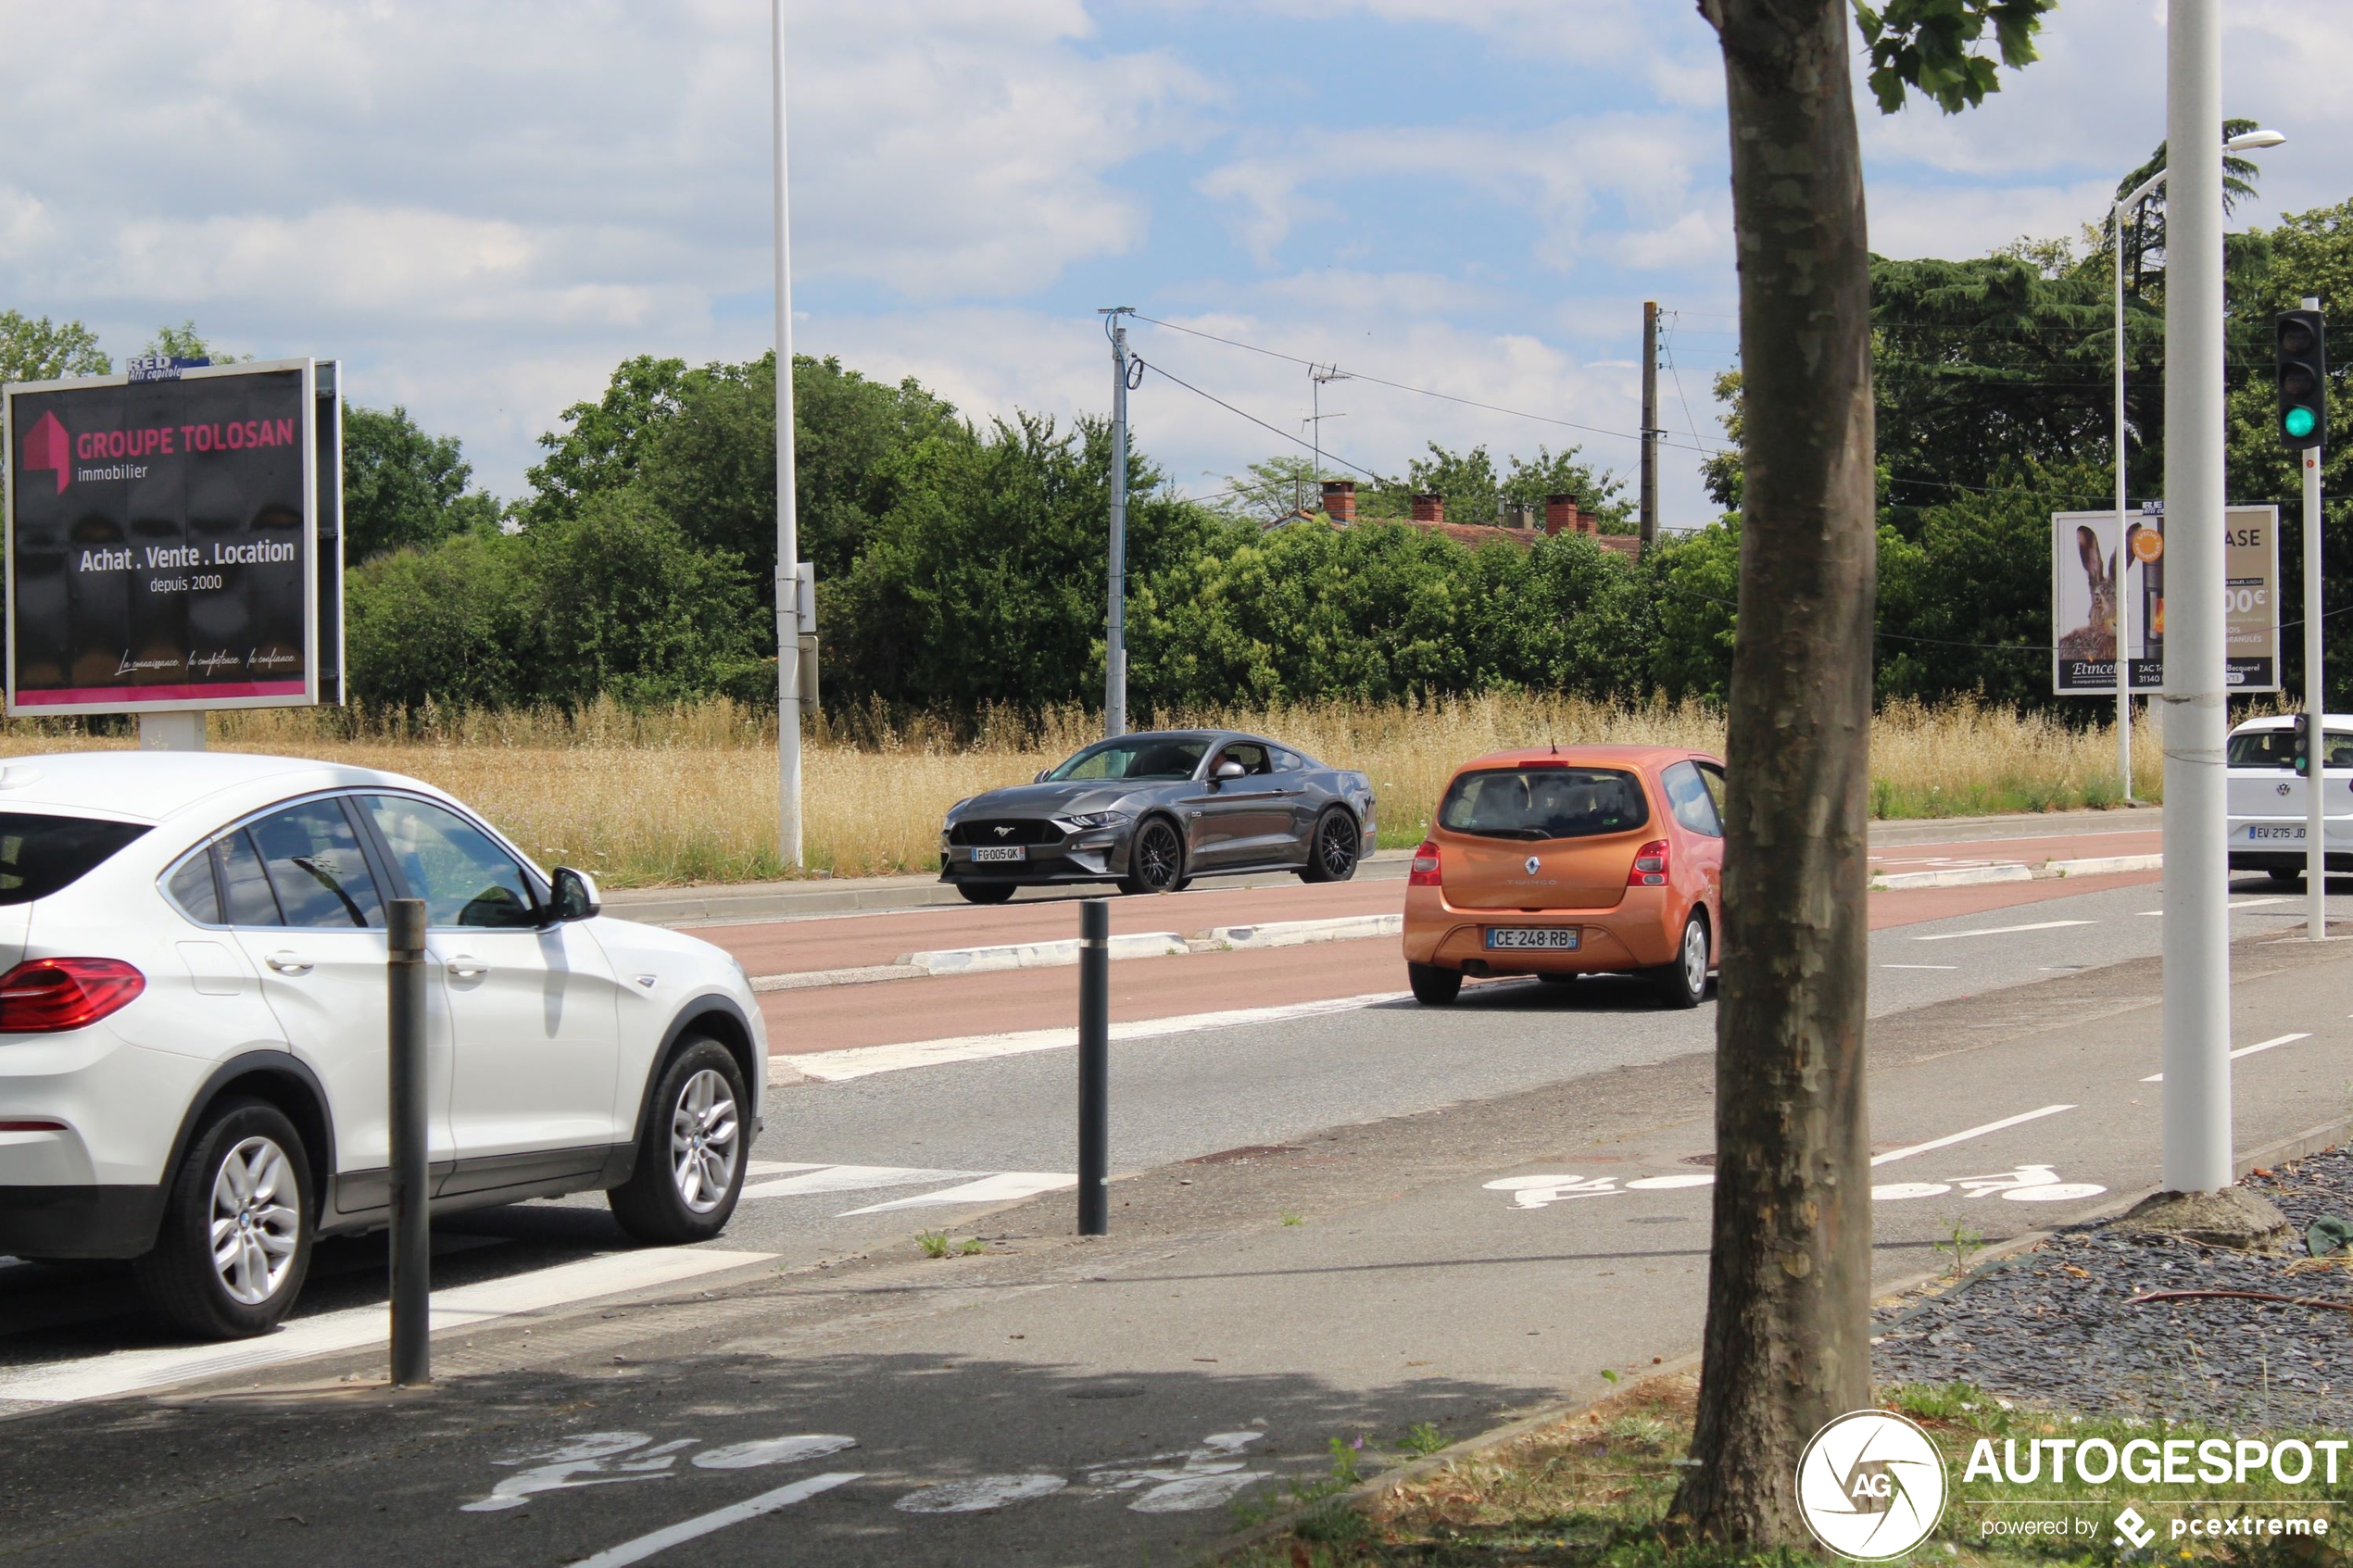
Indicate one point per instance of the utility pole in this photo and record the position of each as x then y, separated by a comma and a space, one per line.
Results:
2197, 943
1115, 626
1316, 415
1650, 423
790, 612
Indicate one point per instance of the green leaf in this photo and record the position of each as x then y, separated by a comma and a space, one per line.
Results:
1932, 45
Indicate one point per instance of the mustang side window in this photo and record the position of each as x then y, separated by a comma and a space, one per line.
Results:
315, 867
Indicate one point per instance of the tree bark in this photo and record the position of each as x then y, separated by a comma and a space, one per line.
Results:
1788, 1306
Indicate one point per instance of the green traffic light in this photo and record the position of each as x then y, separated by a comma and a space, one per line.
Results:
2298, 423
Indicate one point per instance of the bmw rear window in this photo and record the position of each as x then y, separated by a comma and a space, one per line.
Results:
41, 855
1543, 803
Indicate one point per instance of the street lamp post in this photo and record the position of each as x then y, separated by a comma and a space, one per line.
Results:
2245, 142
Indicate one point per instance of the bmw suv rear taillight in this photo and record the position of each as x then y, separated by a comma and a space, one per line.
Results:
1424, 868
45, 996
1650, 865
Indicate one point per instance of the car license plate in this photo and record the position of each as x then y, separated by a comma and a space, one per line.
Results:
1555, 938
2290, 833
1002, 852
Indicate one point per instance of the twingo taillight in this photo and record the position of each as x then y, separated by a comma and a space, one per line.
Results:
1424, 868
44, 996
1650, 865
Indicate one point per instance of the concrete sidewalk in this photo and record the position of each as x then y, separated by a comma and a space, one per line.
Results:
1097, 1401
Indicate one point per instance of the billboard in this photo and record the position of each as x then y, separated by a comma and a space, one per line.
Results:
2088, 594
174, 539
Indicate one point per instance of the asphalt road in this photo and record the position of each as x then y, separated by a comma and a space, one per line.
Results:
1331, 1224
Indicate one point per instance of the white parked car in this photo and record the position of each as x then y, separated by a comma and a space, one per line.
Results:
193, 1033
2267, 800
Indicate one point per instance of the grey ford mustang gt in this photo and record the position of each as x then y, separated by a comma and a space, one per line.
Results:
1151, 812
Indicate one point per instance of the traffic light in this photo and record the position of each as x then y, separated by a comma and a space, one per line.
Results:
2303, 763
2303, 381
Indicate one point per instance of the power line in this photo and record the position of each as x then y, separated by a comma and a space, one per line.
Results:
1418, 391
1255, 420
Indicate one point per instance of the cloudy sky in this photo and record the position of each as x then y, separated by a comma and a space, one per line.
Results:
480, 208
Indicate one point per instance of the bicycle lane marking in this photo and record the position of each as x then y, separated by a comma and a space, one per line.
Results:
702, 1525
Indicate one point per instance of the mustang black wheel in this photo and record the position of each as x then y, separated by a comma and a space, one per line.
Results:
1156, 860
1332, 851
986, 892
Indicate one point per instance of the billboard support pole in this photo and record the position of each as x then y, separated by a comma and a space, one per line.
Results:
2197, 937
171, 732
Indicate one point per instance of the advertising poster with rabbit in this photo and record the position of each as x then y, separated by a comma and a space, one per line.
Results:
2090, 591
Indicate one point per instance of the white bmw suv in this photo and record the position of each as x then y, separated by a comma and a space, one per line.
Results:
193, 1033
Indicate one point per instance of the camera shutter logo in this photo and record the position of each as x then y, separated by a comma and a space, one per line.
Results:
1871, 1485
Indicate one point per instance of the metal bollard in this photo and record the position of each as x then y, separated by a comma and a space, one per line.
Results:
1094, 1068
411, 1194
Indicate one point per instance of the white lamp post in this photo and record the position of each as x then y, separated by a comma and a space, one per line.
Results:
2245, 142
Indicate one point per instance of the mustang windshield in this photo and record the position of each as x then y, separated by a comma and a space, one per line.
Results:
1135, 757
1543, 803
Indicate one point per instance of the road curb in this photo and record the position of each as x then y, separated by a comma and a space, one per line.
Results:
1296, 933
1955, 876
1038, 955
2105, 865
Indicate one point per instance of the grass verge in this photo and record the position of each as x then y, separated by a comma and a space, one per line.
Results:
1592, 1489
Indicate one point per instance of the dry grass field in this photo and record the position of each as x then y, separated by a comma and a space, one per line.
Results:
643, 798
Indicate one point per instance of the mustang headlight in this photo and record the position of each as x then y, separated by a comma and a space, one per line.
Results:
1097, 819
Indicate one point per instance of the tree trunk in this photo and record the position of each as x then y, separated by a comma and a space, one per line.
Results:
1789, 1279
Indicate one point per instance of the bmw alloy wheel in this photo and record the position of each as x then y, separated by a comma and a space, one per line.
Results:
703, 1131
255, 1233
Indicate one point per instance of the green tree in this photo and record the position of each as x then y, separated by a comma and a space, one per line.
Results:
1787, 1343
402, 487
597, 450
35, 348
1263, 492
445, 624
184, 342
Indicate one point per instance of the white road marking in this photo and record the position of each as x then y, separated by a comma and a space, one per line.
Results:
2246, 1050
860, 1061
979, 1495
1947, 1141
1000, 1188
1212, 1474
1920, 966
818, 1179
1668, 1184
718, 1519
123, 1372
2003, 930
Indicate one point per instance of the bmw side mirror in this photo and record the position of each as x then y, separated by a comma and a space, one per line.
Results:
575, 896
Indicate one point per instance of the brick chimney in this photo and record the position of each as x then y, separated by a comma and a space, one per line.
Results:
1429, 509
1340, 500
1560, 516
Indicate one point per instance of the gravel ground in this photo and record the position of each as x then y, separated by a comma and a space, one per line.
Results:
2053, 1326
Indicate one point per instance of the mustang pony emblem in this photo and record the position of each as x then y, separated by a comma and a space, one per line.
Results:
1005, 833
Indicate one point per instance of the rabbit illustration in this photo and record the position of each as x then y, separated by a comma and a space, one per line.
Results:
2096, 638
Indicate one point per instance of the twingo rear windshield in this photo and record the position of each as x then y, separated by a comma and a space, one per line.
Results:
1543, 803
40, 855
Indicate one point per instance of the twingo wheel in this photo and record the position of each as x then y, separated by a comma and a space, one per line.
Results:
987, 892
1433, 986
1156, 860
1683, 983
690, 1156
235, 1241
1332, 849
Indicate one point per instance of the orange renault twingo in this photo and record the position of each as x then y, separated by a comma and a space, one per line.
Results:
1581, 860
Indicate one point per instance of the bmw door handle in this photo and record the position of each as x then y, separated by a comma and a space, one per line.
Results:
288, 963
465, 966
